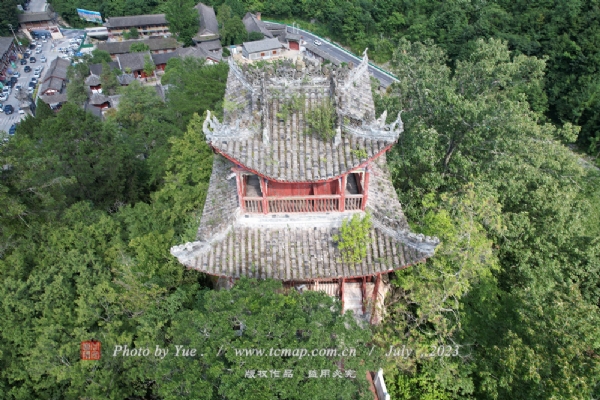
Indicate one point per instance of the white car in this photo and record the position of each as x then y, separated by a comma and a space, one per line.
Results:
3, 97
43, 59
317, 43
38, 50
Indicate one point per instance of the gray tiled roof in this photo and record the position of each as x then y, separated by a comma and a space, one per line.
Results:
162, 58
289, 247
5, 43
96, 69
211, 45
253, 24
92, 80
262, 45
135, 61
98, 99
136, 20
198, 52
34, 17
54, 98
298, 157
57, 68
51, 84
125, 79
155, 44
207, 20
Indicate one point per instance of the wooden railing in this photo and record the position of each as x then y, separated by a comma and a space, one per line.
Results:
353, 202
253, 204
293, 204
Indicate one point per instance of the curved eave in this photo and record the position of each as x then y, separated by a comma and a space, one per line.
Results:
333, 178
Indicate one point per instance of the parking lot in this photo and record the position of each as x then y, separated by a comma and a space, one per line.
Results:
50, 50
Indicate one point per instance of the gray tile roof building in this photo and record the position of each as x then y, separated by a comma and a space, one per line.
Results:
57, 69
135, 21
262, 45
35, 17
5, 43
134, 61
207, 19
155, 44
253, 24
92, 80
162, 58
96, 69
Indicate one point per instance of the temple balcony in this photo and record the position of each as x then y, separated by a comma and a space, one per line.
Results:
261, 196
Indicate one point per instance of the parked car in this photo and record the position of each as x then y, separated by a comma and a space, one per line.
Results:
13, 81
6, 90
38, 50
43, 59
24, 62
26, 54
31, 59
44, 39
8, 109
32, 45
3, 96
17, 74
31, 87
317, 43
34, 80
13, 129
18, 88
27, 68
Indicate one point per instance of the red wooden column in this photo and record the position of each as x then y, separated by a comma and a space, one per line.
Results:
365, 189
363, 290
342, 293
343, 193
263, 189
238, 180
374, 299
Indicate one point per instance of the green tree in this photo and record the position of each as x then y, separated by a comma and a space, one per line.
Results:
183, 20
475, 124
197, 87
99, 56
149, 66
354, 238
253, 36
8, 15
76, 89
255, 315
133, 33
231, 27
108, 79
138, 47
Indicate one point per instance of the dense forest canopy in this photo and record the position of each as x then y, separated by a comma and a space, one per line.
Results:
491, 93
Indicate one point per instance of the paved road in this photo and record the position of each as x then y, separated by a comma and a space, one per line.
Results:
7, 120
343, 56
37, 6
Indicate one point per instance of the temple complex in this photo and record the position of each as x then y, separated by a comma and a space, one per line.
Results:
300, 150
